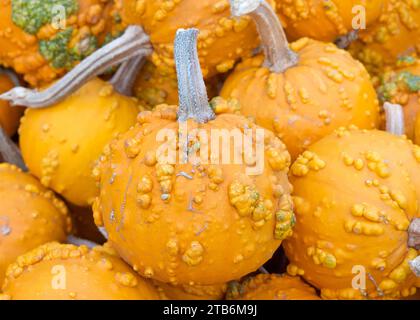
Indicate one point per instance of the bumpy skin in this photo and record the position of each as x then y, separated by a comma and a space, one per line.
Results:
271, 287
325, 90
153, 88
30, 215
187, 292
324, 20
181, 224
222, 40
396, 33
9, 116
31, 49
88, 274
402, 86
61, 144
355, 194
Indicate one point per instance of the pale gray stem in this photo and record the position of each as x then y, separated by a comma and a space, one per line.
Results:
126, 75
81, 242
278, 56
13, 76
133, 43
415, 266
9, 151
103, 231
414, 234
345, 41
394, 119
193, 100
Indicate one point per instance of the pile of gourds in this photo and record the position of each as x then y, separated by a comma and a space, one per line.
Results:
89, 209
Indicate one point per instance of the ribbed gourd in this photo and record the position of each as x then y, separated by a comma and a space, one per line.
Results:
305, 91
192, 220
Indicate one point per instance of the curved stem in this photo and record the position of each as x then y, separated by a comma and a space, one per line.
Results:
13, 76
126, 75
394, 119
278, 56
415, 266
414, 234
9, 151
81, 242
193, 100
134, 42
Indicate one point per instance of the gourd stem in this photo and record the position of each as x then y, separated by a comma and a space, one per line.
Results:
125, 77
193, 100
278, 56
9, 152
414, 234
415, 266
345, 41
81, 242
133, 43
394, 119
103, 231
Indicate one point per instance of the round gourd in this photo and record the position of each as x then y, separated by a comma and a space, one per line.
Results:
396, 34
61, 144
222, 41
30, 215
326, 20
191, 223
187, 292
356, 197
271, 287
9, 116
402, 86
36, 44
66, 272
306, 91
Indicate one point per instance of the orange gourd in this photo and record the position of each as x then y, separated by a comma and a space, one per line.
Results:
306, 91
326, 20
356, 198
187, 292
9, 116
271, 287
36, 44
79, 273
396, 34
401, 85
30, 215
186, 222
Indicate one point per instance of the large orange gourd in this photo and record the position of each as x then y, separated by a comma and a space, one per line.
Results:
327, 20
305, 92
356, 197
30, 215
66, 272
184, 222
396, 34
9, 116
36, 43
271, 287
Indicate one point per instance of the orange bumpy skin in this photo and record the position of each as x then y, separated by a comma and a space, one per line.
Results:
355, 194
325, 90
153, 88
397, 33
9, 116
195, 225
401, 85
222, 40
30, 215
324, 20
93, 22
187, 292
271, 287
61, 144
78, 273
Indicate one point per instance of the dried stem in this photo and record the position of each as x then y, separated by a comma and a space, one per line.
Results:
9, 151
278, 56
415, 266
124, 79
414, 234
394, 119
345, 41
133, 43
193, 100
